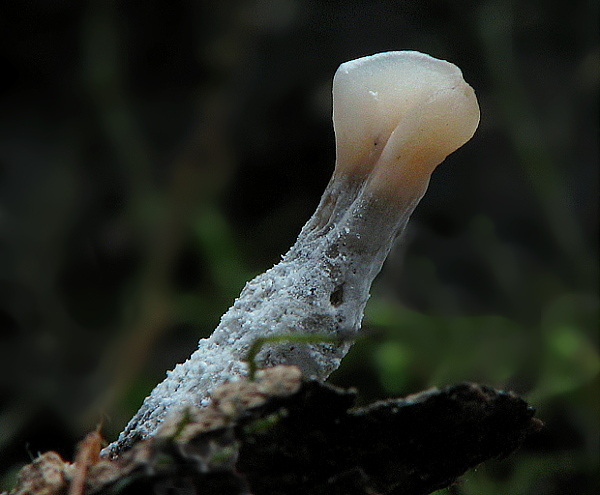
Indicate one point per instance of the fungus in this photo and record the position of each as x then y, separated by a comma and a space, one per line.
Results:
396, 116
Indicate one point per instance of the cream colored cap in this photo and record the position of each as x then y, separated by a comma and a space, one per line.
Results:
397, 115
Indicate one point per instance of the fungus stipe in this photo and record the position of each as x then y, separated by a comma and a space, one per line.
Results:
396, 116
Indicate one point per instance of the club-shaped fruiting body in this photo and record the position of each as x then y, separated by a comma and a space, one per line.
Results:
396, 116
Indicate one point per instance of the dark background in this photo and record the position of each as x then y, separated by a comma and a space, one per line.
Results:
156, 155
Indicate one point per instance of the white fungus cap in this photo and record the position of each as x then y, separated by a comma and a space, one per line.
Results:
397, 115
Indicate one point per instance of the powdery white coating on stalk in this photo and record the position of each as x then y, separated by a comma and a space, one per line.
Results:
396, 116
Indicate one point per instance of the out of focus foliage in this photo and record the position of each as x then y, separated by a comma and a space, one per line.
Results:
156, 155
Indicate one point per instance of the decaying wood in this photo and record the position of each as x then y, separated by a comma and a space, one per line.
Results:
280, 434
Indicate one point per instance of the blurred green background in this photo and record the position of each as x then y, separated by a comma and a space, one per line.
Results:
154, 156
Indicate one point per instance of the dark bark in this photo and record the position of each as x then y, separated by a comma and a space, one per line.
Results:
279, 435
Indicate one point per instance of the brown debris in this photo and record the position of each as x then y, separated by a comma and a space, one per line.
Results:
88, 454
46, 475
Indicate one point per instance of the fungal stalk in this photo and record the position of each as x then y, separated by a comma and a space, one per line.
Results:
396, 116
